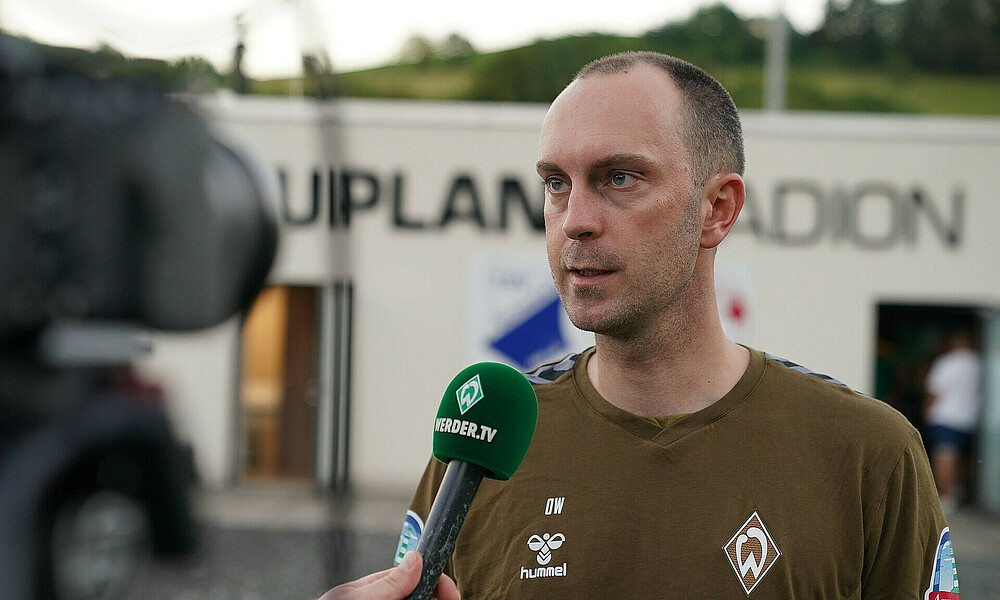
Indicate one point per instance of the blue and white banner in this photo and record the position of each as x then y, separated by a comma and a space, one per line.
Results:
514, 315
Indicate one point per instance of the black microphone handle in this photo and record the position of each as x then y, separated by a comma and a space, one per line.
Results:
454, 497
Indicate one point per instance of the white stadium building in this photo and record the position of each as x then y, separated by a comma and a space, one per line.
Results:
412, 245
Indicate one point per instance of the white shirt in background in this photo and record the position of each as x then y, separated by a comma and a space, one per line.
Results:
954, 380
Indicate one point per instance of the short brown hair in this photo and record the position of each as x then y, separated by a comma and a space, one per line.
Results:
713, 134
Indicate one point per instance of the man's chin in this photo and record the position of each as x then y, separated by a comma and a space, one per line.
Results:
603, 318
599, 323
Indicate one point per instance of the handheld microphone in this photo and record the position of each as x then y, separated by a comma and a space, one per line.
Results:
483, 429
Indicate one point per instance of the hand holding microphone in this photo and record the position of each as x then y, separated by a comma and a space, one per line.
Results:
391, 584
483, 428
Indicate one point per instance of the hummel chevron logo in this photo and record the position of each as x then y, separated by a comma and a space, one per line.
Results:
544, 546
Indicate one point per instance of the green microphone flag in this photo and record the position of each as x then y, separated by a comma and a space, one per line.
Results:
487, 417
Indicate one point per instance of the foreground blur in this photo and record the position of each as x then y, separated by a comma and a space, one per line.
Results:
119, 213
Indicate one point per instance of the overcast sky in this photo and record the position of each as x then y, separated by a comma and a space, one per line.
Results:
355, 34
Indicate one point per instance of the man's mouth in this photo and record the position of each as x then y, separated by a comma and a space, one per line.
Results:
588, 272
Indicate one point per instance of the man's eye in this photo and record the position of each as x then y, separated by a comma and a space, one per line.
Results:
622, 179
555, 184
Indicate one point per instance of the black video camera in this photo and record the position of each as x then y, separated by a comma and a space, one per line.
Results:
119, 212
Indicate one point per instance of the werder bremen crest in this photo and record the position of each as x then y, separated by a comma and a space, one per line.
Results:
469, 394
751, 552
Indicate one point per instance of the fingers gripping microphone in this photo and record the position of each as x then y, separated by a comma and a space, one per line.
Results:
483, 429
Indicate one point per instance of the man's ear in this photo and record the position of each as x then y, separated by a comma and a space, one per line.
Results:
723, 198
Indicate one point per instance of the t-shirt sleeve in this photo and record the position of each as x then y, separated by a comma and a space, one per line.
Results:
427, 489
905, 540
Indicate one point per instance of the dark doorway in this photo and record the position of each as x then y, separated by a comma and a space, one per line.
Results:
279, 385
909, 338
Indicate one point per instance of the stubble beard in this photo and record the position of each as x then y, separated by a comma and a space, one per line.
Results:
576, 300
621, 319
636, 307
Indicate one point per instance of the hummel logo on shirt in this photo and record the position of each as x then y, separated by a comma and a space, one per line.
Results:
544, 545
751, 552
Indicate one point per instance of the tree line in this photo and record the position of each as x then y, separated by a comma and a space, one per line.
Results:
912, 36
935, 36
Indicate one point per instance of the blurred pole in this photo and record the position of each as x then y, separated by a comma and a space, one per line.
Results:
317, 68
988, 469
239, 80
776, 62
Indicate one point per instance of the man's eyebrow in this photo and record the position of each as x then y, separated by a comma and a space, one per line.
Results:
546, 167
622, 159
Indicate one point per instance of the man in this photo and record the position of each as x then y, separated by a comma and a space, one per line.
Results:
668, 461
951, 409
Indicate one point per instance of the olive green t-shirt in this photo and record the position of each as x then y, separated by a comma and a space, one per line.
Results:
790, 486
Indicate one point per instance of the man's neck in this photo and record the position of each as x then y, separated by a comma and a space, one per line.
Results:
682, 368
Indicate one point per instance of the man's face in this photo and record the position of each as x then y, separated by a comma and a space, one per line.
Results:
622, 224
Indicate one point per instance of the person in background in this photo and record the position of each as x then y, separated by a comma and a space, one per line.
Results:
951, 411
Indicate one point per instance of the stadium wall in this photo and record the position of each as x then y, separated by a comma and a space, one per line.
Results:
430, 210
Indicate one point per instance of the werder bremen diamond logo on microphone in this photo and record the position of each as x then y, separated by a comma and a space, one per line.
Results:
469, 394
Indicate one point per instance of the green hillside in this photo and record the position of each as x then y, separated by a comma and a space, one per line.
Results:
909, 56
916, 56
832, 88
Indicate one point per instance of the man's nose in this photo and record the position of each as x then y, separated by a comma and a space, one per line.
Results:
584, 217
